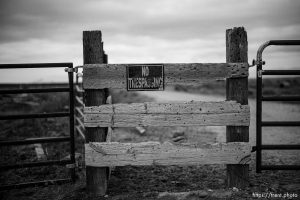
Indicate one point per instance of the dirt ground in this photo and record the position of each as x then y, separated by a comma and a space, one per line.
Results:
155, 182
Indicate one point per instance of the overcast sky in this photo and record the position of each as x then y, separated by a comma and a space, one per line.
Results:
141, 31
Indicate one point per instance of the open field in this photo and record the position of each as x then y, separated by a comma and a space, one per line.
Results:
271, 86
142, 182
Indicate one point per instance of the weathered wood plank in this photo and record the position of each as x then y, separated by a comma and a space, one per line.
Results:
154, 153
193, 107
128, 120
168, 114
98, 76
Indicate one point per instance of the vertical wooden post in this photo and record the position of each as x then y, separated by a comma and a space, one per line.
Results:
237, 89
96, 178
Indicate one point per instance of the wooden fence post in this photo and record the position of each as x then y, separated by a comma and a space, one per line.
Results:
96, 178
237, 89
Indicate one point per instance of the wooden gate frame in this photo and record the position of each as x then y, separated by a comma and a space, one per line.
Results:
233, 113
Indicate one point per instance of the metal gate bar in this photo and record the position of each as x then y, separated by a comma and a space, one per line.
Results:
42, 90
280, 167
35, 140
272, 123
36, 183
70, 163
259, 98
36, 115
36, 164
281, 146
281, 98
280, 72
35, 65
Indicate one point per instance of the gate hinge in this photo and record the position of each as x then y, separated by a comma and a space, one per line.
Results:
75, 69
68, 69
255, 62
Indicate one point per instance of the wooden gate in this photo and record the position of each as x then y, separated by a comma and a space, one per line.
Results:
233, 113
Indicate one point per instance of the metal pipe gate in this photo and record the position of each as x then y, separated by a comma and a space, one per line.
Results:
260, 98
70, 163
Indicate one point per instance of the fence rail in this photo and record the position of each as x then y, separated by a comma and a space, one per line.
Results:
168, 114
99, 76
153, 153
